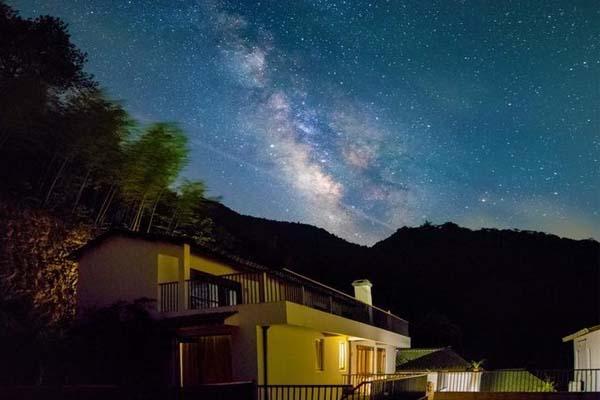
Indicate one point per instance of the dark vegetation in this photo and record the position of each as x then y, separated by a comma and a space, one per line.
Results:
73, 163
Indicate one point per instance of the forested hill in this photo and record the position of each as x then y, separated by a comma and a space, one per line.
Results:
504, 295
279, 244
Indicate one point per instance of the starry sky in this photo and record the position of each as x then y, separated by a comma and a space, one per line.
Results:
364, 116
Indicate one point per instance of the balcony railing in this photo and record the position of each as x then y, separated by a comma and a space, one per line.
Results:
266, 287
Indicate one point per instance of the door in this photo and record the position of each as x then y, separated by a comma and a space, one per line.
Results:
364, 360
381, 361
582, 359
205, 359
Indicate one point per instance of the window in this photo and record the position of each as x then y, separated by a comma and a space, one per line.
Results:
342, 356
320, 353
381, 361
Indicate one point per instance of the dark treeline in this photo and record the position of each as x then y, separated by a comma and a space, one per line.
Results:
66, 147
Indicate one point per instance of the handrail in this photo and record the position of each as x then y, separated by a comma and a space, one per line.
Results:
273, 286
340, 292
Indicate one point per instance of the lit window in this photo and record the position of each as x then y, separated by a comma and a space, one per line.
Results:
320, 353
342, 356
381, 361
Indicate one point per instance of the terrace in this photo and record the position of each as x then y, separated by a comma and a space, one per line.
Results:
208, 291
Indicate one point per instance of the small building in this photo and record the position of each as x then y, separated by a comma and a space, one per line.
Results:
239, 321
586, 347
586, 355
431, 359
445, 368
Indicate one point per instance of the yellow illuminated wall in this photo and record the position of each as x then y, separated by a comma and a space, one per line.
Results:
292, 356
209, 266
168, 268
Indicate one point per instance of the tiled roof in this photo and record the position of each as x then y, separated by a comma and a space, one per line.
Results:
215, 253
440, 359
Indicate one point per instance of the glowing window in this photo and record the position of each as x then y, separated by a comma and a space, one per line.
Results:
381, 361
320, 353
342, 356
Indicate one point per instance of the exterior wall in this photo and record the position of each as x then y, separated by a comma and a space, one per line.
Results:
247, 342
590, 343
209, 266
126, 269
119, 269
292, 356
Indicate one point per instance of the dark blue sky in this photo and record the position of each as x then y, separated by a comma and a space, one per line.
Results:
361, 117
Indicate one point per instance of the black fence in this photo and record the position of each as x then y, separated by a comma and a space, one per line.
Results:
263, 287
549, 380
413, 387
304, 392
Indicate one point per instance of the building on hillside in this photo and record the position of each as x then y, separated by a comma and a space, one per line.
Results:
238, 321
586, 357
443, 366
432, 359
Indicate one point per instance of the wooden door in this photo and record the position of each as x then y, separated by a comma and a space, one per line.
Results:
205, 359
364, 360
381, 360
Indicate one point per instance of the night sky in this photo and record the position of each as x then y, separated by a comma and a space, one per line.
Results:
361, 117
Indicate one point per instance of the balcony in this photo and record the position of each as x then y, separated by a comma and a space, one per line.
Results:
265, 287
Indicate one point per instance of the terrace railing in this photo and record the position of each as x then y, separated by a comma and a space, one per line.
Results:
356, 379
308, 392
389, 388
549, 380
265, 287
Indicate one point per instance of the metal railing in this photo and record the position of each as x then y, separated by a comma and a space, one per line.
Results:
550, 380
390, 386
266, 287
168, 296
304, 392
366, 390
356, 379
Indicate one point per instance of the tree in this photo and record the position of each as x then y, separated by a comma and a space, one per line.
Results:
38, 64
152, 163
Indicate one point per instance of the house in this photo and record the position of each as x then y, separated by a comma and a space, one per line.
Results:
238, 321
445, 368
586, 355
431, 359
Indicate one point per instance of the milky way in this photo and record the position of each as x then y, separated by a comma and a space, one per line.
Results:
361, 117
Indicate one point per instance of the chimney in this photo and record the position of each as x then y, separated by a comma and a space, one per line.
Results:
362, 291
